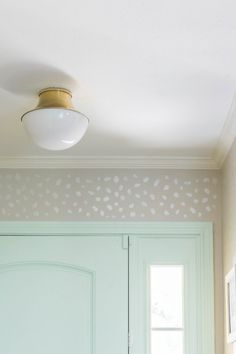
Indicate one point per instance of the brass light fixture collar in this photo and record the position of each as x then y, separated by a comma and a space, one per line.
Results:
55, 97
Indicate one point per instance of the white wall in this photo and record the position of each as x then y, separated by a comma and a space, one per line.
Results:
124, 195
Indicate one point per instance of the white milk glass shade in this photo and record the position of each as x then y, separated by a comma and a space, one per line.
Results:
55, 128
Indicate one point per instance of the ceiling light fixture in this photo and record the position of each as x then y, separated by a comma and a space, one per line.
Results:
54, 124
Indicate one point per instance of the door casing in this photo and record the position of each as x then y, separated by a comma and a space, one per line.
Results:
201, 231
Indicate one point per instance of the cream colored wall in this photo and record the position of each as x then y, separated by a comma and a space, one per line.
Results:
124, 195
229, 217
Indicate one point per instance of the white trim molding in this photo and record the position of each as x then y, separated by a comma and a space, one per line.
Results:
107, 162
227, 136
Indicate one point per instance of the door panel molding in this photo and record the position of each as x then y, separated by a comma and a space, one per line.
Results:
59, 265
34, 268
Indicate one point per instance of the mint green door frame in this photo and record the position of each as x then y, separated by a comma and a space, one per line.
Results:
75, 228
201, 231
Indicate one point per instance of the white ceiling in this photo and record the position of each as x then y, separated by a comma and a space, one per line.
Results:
156, 77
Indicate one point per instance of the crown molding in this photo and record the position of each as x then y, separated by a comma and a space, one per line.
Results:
227, 136
108, 162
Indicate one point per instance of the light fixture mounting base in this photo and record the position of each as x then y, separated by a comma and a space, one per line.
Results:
55, 97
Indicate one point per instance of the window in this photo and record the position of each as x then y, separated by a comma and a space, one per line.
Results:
166, 307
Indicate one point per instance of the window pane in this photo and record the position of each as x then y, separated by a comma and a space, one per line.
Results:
167, 342
166, 296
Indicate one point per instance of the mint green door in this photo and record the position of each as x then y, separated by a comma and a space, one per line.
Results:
63, 295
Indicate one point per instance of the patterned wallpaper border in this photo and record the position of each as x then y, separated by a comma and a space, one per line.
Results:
102, 195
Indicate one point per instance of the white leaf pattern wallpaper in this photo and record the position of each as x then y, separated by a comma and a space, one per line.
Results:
108, 195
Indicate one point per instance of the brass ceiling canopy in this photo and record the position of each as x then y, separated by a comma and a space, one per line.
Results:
55, 97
